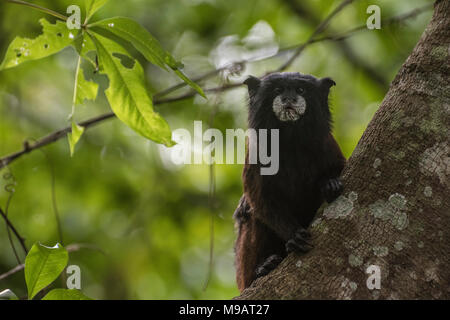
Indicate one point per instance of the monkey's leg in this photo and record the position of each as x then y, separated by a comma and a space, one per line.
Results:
255, 243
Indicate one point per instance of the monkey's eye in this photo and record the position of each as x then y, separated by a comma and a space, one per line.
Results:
278, 91
300, 90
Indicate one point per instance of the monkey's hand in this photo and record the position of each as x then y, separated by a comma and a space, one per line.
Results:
300, 243
331, 189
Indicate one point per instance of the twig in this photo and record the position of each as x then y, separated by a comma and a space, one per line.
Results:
320, 28
53, 194
14, 230
70, 248
12, 271
210, 74
52, 137
388, 21
35, 6
55, 136
305, 13
9, 188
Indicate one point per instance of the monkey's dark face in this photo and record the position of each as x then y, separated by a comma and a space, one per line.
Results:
288, 98
289, 103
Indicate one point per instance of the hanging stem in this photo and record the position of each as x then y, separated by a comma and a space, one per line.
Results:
35, 6
75, 87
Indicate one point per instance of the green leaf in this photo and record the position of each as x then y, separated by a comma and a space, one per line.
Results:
74, 136
92, 6
43, 265
65, 294
127, 94
86, 90
146, 44
191, 83
54, 38
83, 44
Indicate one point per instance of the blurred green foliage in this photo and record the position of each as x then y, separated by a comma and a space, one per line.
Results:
119, 193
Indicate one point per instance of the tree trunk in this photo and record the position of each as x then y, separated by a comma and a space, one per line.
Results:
394, 212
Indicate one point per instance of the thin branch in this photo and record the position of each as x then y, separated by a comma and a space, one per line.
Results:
70, 248
42, 9
12, 271
307, 14
55, 136
9, 188
388, 21
14, 230
233, 66
320, 28
53, 195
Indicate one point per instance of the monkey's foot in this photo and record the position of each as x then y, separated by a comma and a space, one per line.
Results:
271, 263
332, 189
300, 243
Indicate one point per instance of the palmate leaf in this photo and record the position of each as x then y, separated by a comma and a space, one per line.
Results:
65, 294
127, 94
54, 38
43, 265
92, 6
146, 44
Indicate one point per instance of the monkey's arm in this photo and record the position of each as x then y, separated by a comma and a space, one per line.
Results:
330, 184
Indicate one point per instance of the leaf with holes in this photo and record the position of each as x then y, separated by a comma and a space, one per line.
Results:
86, 90
43, 265
127, 94
54, 38
146, 44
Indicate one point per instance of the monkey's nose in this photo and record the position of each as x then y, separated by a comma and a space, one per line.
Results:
289, 99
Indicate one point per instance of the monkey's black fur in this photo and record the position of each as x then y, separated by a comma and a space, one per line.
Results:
275, 210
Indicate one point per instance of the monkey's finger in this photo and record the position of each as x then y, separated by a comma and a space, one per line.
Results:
293, 246
335, 185
302, 240
303, 233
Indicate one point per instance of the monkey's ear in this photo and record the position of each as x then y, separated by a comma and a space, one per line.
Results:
327, 83
252, 84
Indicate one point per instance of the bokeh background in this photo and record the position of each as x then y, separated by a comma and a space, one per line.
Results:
121, 193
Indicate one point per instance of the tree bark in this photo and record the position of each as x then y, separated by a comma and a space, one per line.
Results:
394, 212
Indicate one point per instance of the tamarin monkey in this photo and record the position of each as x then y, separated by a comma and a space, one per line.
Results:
275, 210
